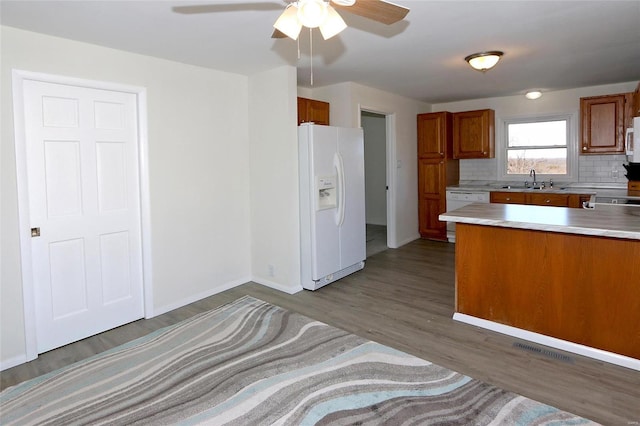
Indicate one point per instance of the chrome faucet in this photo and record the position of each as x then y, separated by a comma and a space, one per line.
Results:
532, 173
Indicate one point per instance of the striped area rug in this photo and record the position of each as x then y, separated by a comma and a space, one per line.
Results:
253, 363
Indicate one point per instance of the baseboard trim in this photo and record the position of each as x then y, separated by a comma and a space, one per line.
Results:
276, 286
12, 362
196, 297
599, 354
406, 241
21, 359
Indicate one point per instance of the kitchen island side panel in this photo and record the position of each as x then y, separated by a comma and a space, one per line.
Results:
579, 288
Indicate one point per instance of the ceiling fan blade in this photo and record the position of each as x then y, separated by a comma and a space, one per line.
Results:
376, 10
227, 7
278, 34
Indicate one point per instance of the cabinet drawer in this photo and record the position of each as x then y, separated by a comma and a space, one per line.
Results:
557, 200
508, 197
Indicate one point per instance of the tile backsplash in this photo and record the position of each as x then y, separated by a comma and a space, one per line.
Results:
480, 169
602, 168
591, 168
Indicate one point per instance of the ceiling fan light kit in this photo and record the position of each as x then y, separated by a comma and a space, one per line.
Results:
334, 24
320, 14
288, 23
312, 13
483, 61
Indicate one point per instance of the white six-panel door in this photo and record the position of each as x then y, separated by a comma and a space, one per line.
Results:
84, 203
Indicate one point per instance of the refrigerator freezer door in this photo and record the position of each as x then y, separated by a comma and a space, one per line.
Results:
325, 238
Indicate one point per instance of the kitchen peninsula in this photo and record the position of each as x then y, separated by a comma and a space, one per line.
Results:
563, 277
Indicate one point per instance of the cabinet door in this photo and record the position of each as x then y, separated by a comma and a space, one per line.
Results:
635, 110
602, 124
474, 134
434, 130
319, 112
303, 106
431, 198
313, 111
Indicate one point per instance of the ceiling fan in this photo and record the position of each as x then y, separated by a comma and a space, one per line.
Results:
322, 14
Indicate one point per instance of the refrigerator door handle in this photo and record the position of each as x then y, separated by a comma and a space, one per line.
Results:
339, 165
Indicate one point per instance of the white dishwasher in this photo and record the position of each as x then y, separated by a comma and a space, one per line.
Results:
461, 198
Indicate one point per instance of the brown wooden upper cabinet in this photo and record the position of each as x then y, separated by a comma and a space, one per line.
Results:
603, 121
313, 111
635, 112
474, 134
434, 135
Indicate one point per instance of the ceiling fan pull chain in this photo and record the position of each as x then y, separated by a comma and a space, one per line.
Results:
311, 53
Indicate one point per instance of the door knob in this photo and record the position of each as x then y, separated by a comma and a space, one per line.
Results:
35, 232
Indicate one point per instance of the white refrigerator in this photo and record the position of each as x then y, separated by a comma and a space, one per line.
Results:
332, 203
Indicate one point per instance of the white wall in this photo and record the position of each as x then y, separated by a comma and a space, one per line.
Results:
346, 101
375, 168
275, 225
591, 168
198, 161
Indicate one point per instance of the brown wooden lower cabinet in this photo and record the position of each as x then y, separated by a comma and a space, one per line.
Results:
539, 198
579, 288
432, 198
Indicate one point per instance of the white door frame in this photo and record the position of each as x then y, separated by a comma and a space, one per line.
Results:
18, 79
390, 137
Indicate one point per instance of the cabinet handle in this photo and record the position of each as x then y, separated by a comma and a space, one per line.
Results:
508, 199
584, 148
547, 201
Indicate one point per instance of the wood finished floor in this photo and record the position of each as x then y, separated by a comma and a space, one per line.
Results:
404, 299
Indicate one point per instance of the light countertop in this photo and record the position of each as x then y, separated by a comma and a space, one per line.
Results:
605, 220
600, 190
520, 188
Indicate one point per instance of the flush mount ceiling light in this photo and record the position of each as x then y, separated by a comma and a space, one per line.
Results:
484, 61
533, 94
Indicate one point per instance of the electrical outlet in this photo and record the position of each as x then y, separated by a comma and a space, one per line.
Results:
615, 173
271, 270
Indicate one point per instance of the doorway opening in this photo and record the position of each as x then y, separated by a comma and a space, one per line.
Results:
374, 126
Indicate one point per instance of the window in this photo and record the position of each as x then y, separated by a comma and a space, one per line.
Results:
541, 143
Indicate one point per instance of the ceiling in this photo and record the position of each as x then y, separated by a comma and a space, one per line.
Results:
548, 45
